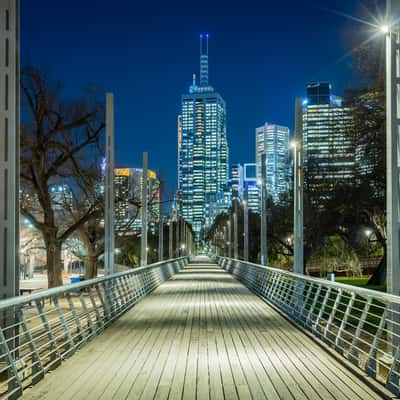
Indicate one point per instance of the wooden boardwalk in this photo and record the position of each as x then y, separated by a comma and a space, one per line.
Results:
201, 335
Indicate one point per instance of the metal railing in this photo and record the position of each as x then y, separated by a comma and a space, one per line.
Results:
39, 331
362, 325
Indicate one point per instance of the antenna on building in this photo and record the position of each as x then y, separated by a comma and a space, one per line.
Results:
194, 80
204, 60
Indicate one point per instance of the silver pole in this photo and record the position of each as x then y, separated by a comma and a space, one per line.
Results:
298, 238
235, 230
263, 236
143, 241
392, 162
9, 149
226, 253
160, 228
177, 233
171, 238
245, 226
109, 188
229, 237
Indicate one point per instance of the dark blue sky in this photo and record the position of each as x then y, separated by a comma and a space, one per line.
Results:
262, 53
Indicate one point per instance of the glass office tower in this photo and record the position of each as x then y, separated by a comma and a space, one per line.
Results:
328, 142
203, 150
273, 140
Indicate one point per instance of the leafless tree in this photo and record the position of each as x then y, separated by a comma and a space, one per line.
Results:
57, 140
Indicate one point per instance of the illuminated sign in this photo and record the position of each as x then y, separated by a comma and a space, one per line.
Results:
122, 172
152, 175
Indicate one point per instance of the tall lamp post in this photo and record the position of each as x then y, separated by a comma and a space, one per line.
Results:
298, 234
109, 188
235, 230
9, 145
392, 156
263, 197
143, 241
229, 238
245, 226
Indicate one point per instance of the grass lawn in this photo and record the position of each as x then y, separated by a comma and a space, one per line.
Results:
359, 281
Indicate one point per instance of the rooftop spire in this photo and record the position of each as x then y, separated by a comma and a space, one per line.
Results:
204, 60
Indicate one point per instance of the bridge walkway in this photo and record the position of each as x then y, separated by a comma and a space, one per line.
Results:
201, 335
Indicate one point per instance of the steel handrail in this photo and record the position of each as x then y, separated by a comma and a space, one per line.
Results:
39, 331
362, 325
18, 300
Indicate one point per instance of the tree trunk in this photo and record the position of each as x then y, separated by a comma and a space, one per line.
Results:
379, 276
91, 267
53, 256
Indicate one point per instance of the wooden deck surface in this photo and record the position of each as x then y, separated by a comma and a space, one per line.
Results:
201, 335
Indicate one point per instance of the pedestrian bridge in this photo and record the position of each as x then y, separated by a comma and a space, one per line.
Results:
199, 330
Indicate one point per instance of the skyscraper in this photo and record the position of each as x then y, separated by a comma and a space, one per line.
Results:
327, 141
203, 150
128, 187
273, 140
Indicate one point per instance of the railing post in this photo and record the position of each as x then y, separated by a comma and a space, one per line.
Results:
55, 354
14, 385
371, 365
60, 315
309, 319
354, 352
338, 341
37, 367
332, 314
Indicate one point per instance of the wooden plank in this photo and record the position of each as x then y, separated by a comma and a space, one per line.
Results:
327, 370
201, 335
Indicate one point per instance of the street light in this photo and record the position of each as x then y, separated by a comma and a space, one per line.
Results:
298, 219
245, 227
117, 251
368, 233
392, 158
384, 29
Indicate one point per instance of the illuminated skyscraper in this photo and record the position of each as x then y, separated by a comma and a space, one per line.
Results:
128, 188
273, 140
328, 142
203, 150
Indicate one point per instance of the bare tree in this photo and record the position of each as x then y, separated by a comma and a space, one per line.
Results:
57, 138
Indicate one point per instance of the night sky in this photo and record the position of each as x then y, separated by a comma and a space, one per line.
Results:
262, 53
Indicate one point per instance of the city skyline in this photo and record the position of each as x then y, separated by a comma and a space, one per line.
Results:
162, 64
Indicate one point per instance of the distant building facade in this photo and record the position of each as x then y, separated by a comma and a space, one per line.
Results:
273, 140
128, 188
328, 143
203, 150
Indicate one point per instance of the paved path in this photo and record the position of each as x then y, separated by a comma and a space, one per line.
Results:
201, 335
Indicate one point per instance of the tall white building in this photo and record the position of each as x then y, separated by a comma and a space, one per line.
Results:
273, 140
203, 150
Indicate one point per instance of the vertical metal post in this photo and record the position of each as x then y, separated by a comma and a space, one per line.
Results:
229, 228
298, 240
171, 238
263, 192
392, 162
160, 228
182, 241
143, 239
245, 226
177, 234
235, 230
226, 252
9, 149
109, 188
